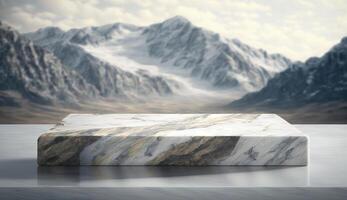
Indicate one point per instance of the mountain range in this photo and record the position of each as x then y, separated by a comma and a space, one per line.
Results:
36, 73
318, 80
171, 57
194, 69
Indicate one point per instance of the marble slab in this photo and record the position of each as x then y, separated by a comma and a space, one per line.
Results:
173, 139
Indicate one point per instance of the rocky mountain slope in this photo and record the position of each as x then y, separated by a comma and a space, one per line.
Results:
318, 80
171, 57
35, 73
109, 79
208, 56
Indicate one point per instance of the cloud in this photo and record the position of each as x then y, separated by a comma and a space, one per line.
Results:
298, 28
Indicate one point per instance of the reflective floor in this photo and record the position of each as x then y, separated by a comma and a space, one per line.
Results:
327, 166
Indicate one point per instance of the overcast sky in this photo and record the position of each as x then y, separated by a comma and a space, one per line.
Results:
296, 28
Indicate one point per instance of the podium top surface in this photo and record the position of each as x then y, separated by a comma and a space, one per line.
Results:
174, 125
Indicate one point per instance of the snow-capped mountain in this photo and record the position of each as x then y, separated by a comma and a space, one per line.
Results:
35, 73
171, 57
108, 78
318, 80
209, 56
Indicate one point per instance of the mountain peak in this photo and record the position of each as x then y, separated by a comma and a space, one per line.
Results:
344, 40
51, 30
176, 20
341, 46
4, 26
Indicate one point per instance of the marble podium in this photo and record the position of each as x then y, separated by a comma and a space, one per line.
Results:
173, 139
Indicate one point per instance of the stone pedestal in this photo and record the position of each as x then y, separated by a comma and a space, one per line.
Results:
173, 139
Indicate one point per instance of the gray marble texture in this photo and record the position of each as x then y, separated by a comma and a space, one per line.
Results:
173, 139
327, 168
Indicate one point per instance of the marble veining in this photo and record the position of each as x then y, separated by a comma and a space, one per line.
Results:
173, 139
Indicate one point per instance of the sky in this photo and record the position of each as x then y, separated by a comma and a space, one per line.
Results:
298, 29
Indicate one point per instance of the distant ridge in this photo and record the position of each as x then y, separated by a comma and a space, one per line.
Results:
318, 80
